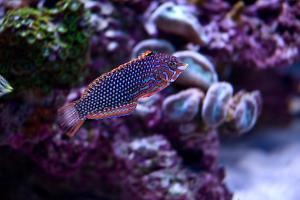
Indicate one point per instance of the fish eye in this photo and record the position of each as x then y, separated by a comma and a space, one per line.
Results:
172, 64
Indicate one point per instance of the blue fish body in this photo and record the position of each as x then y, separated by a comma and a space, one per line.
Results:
115, 93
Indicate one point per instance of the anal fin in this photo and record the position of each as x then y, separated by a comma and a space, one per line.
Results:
115, 112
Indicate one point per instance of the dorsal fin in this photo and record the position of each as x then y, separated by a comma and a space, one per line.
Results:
143, 55
103, 76
94, 83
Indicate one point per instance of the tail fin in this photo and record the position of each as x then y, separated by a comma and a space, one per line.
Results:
69, 120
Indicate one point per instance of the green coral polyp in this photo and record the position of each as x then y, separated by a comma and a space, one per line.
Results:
44, 48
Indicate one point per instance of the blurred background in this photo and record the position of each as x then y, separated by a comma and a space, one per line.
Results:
227, 128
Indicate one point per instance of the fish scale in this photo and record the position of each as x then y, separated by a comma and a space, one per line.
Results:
120, 85
115, 93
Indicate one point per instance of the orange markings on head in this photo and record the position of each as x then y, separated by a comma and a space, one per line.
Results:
147, 53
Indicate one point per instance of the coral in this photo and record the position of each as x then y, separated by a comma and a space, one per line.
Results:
63, 156
260, 35
178, 20
240, 36
161, 175
214, 110
201, 72
50, 45
182, 106
241, 109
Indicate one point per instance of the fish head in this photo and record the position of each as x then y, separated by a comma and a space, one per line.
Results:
170, 68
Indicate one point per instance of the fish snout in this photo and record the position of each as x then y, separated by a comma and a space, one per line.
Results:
180, 68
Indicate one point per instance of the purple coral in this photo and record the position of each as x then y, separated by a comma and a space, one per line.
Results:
155, 171
263, 35
260, 35
182, 106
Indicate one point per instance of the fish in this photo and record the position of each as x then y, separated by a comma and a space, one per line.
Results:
5, 87
116, 93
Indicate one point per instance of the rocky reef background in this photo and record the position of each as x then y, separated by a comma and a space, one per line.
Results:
243, 71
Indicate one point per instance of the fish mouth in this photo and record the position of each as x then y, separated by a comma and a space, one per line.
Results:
182, 66
179, 70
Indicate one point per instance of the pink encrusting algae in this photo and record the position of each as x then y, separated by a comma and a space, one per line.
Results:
116, 93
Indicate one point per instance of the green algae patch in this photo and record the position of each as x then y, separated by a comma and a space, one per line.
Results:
45, 48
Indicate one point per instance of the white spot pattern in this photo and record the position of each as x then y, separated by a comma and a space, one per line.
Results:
122, 86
